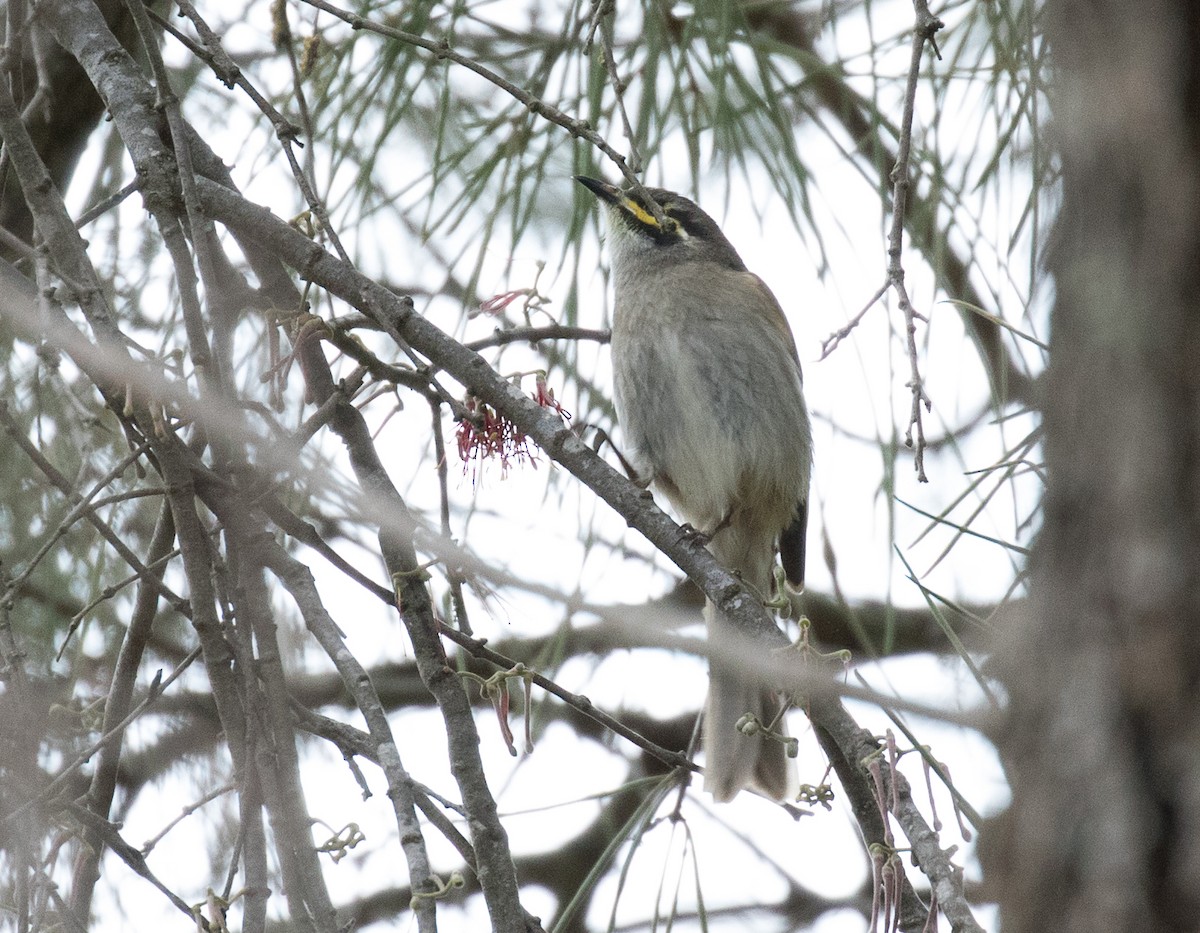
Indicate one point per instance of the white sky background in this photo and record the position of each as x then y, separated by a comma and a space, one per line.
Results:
530, 523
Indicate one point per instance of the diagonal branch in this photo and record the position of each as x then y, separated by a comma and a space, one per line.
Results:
396, 314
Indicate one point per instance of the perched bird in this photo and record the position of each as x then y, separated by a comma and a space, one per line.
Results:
710, 398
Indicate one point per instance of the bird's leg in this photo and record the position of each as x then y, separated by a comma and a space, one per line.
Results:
721, 526
602, 438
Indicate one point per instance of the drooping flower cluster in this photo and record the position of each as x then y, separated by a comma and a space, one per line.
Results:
490, 434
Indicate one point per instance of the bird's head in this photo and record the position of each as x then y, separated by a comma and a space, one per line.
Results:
685, 233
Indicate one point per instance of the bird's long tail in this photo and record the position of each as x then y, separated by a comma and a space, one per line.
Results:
734, 761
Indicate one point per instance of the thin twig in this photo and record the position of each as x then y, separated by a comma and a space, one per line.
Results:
535, 334
830, 343
477, 649
454, 575
183, 814
231, 75
927, 26
100, 208
442, 50
283, 39
126, 852
67, 488
601, 21
157, 686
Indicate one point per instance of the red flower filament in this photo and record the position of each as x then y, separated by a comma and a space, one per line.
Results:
491, 434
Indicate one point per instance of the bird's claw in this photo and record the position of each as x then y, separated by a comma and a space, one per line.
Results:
695, 535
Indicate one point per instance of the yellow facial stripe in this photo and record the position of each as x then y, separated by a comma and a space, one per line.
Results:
639, 212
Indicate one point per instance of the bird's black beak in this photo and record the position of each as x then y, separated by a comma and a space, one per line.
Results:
607, 193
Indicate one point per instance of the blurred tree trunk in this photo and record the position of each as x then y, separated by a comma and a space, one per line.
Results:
1104, 737
61, 108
